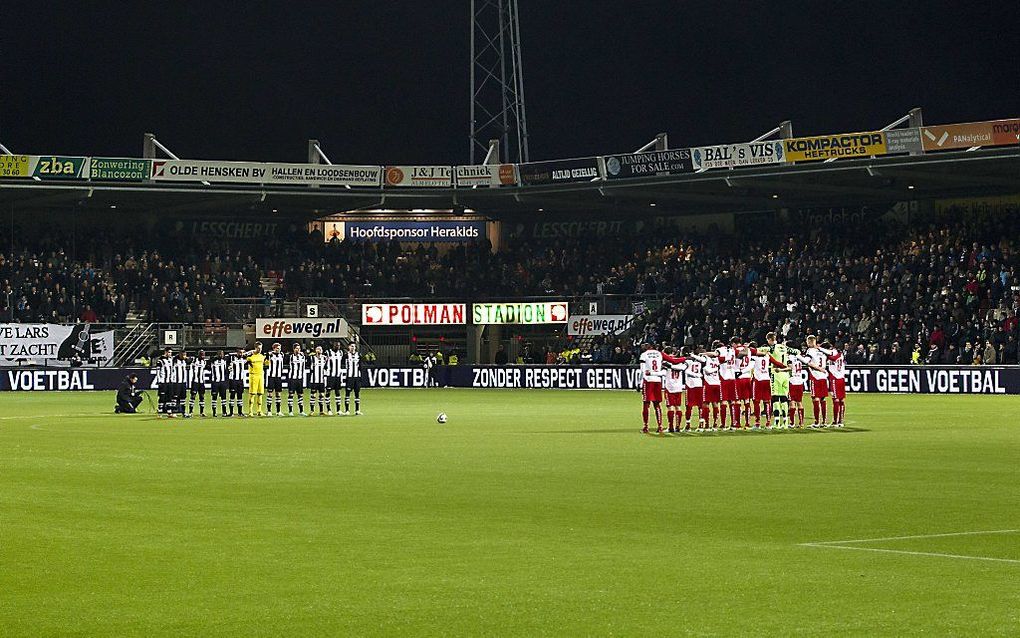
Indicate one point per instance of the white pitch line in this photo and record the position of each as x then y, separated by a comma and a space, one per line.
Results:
901, 551
903, 538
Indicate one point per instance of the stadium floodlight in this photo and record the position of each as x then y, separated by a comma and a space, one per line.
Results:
497, 81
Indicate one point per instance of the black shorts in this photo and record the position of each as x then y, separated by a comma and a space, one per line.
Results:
317, 387
198, 388
274, 384
162, 390
353, 383
236, 385
334, 383
219, 389
296, 385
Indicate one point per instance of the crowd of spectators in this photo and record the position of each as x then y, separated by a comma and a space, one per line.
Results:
937, 292
933, 291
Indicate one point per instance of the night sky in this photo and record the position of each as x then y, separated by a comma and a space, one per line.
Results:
387, 82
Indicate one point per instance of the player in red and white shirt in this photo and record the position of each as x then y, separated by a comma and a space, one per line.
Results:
651, 384
819, 378
798, 377
728, 381
695, 390
673, 384
745, 385
836, 365
710, 372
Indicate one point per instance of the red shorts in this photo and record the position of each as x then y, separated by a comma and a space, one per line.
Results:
711, 393
762, 390
744, 389
695, 397
651, 391
729, 389
674, 399
796, 393
838, 388
819, 388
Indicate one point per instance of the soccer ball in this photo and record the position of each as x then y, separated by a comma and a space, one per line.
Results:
441, 418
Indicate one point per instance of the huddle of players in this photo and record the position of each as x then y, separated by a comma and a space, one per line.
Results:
324, 373
732, 381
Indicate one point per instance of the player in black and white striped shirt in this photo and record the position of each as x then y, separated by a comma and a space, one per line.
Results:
352, 370
235, 375
196, 382
163, 365
318, 367
335, 376
179, 379
218, 380
296, 368
274, 377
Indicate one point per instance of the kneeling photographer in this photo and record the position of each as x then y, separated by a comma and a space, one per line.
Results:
128, 396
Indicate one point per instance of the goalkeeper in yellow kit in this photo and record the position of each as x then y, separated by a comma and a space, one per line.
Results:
256, 380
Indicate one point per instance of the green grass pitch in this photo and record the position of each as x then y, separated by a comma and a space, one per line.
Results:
529, 513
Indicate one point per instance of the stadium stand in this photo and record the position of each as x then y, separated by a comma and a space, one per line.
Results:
937, 290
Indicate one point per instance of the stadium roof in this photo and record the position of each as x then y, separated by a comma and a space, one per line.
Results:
841, 183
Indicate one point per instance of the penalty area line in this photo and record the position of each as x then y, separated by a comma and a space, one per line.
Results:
903, 551
903, 538
849, 544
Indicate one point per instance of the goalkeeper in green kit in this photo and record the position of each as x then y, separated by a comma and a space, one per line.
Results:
780, 354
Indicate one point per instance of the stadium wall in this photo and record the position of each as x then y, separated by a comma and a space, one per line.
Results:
870, 379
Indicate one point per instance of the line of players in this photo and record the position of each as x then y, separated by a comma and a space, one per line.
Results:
731, 382
182, 381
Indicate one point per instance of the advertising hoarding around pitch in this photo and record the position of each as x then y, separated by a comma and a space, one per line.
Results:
598, 325
649, 164
843, 145
538, 312
734, 155
420, 231
419, 176
413, 314
582, 169
491, 175
54, 344
301, 328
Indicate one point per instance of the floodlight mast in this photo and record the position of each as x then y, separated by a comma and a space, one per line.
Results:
497, 82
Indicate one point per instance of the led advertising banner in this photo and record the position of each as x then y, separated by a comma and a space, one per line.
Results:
413, 314
537, 312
